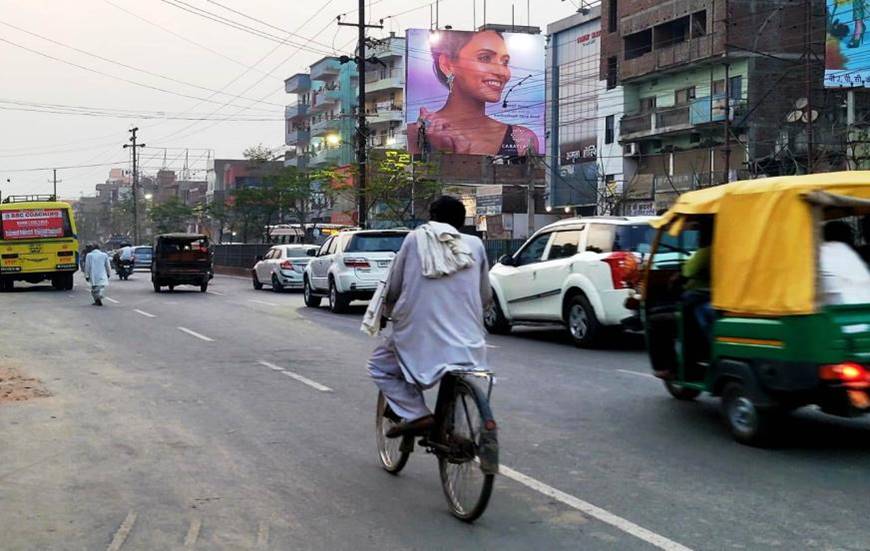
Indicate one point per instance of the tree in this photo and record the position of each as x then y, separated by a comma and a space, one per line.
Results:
171, 216
258, 154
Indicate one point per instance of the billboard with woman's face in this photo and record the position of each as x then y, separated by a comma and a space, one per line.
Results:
475, 93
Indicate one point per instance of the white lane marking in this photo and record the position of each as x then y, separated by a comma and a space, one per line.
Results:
638, 373
113, 301
192, 533
596, 512
144, 313
304, 380
195, 334
216, 293
123, 532
263, 535
262, 302
491, 346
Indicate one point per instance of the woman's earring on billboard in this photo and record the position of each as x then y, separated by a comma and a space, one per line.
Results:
450, 78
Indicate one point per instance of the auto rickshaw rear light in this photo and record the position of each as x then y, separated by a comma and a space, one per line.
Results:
848, 372
623, 269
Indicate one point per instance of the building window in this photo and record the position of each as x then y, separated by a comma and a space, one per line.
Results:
609, 121
699, 24
735, 85
719, 87
672, 32
684, 96
612, 73
648, 105
638, 44
613, 16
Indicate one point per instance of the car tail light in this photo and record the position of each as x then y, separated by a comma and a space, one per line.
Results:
854, 375
623, 269
287, 265
359, 263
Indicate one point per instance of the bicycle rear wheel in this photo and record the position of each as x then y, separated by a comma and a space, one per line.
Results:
391, 451
466, 486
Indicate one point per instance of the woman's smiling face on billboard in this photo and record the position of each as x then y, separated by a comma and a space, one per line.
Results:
481, 68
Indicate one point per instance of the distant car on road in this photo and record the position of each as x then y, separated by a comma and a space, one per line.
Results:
142, 258
349, 266
282, 267
577, 272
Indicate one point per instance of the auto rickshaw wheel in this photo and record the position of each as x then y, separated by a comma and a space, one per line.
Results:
156, 285
681, 392
748, 423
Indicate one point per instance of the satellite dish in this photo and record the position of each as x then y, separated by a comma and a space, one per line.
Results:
794, 116
810, 117
801, 103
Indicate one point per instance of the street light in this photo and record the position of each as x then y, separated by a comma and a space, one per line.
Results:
333, 139
149, 196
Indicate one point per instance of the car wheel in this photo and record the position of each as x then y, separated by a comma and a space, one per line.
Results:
203, 287
748, 423
255, 280
276, 284
172, 288
337, 301
311, 301
583, 325
494, 319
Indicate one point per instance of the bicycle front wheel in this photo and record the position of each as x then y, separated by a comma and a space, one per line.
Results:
466, 486
391, 451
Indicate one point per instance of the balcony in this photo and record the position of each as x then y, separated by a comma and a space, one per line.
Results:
386, 115
297, 137
295, 111
326, 156
393, 47
299, 83
669, 120
669, 57
377, 81
325, 126
325, 69
324, 98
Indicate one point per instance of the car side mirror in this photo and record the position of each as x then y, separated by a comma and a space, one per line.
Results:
259, 257
507, 260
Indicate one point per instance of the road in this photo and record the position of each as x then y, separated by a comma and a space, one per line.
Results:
240, 419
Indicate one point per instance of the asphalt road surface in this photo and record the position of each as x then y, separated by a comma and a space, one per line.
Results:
240, 419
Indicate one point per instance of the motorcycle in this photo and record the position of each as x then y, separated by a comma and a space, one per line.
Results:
124, 268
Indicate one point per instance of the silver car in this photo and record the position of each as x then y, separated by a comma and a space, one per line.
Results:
282, 267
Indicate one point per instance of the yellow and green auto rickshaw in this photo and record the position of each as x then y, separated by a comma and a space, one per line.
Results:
773, 341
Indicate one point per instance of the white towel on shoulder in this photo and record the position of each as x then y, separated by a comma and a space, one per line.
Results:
441, 250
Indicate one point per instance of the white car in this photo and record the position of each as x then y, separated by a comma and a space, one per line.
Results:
577, 272
282, 267
349, 266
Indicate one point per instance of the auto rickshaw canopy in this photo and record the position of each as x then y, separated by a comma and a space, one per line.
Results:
766, 237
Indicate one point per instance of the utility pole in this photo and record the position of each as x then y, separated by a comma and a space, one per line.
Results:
55, 181
362, 133
135, 146
808, 55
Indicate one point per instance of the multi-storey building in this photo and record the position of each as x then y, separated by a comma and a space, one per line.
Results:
710, 87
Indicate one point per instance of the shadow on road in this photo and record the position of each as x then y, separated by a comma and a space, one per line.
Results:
556, 334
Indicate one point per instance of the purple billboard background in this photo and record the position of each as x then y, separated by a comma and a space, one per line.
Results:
525, 103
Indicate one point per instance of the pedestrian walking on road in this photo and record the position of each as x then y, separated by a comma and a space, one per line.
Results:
97, 270
438, 290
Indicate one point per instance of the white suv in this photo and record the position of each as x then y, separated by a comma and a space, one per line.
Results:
349, 266
577, 272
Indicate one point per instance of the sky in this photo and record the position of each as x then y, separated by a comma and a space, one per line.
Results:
78, 74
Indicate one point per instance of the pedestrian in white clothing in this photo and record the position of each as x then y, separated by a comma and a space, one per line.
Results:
97, 270
438, 290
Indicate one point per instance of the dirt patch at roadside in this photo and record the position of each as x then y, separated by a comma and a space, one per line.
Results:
16, 387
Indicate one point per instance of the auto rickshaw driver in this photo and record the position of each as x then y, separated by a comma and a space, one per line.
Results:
696, 280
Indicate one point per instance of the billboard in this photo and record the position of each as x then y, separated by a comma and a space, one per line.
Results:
475, 93
33, 224
847, 52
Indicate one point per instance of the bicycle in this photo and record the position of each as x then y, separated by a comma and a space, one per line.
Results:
464, 439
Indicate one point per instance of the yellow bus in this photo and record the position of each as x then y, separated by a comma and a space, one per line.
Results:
37, 241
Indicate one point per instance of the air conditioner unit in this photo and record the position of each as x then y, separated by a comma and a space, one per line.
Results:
631, 149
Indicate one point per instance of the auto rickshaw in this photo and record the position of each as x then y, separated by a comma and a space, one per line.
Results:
181, 259
773, 344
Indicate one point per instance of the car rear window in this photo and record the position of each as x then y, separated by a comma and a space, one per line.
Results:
638, 238
297, 253
376, 243
142, 251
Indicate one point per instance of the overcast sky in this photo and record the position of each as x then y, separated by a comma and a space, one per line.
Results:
177, 63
